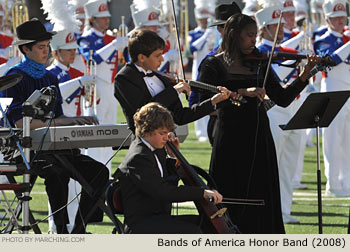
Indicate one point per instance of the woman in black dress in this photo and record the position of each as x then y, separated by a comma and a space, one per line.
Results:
244, 162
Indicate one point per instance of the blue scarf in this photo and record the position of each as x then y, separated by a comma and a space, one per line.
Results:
30, 67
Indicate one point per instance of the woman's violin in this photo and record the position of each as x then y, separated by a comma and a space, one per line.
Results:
280, 56
203, 86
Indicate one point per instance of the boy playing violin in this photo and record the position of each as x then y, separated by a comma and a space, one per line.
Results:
137, 83
146, 189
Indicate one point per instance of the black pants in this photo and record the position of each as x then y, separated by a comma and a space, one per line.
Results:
57, 177
167, 224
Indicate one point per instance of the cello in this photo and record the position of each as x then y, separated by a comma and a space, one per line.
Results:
214, 217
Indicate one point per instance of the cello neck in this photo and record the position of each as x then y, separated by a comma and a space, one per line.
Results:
194, 175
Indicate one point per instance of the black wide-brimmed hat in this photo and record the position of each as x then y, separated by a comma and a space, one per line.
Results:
224, 11
31, 31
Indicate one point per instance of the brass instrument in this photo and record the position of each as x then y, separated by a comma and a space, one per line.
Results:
19, 14
122, 32
184, 22
7, 21
306, 43
174, 65
90, 92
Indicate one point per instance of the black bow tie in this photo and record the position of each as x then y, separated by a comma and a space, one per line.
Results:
151, 74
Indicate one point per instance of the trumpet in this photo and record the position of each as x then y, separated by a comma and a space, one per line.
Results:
19, 14
90, 92
184, 22
122, 32
306, 42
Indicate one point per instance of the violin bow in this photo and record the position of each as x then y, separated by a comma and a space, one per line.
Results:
178, 40
235, 102
273, 49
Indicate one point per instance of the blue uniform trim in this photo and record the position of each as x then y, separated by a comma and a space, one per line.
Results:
195, 35
64, 76
266, 48
73, 95
93, 42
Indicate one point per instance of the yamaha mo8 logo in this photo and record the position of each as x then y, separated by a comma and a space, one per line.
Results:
92, 132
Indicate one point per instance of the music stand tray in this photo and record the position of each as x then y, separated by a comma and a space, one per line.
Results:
318, 111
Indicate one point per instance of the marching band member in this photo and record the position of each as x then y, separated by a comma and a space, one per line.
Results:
288, 14
71, 81
203, 41
335, 43
302, 21
33, 41
146, 16
250, 7
79, 62
7, 63
6, 59
105, 49
318, 19
288, 143
5, 39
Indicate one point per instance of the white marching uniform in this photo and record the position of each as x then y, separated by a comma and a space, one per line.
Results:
288, 143
202, 42
105, 56
70, 88
336, 138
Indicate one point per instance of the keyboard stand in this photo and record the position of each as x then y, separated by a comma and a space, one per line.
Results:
87, 187
14, 214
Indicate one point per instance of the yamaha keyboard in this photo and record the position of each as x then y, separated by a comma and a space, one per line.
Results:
89, 136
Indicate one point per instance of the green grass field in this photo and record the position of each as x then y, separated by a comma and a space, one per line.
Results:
335, 210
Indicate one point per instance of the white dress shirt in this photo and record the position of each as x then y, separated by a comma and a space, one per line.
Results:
153, 149
154, 84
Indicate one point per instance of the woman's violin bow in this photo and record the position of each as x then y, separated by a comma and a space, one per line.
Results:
192, 83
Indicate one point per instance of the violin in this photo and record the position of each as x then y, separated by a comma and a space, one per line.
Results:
215, 217
203, 86
279, 56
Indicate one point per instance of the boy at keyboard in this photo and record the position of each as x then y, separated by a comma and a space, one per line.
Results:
34, 41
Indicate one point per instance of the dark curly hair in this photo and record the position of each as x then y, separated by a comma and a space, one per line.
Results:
232, 30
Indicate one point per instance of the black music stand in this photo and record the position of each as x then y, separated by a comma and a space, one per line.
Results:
318, 111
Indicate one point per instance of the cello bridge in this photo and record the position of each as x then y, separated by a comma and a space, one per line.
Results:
219, 213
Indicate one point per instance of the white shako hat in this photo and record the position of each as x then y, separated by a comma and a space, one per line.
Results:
145, 13
96, 8
64, 39
334, 8
301, 9
204, 9
268, 14
62, 15
146, 17
316, 6
79, 8
251, 6
287, 5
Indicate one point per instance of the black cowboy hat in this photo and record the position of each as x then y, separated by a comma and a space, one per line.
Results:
224, 11
31, 31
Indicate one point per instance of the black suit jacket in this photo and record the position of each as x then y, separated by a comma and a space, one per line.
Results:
132, 93
144, 191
